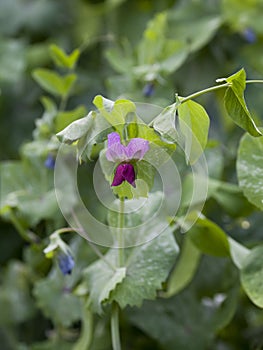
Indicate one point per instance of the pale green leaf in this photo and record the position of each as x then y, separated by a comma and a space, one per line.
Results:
63, 60
252, 275
193, 129
53, 82
250, 169
77, 129
238, 252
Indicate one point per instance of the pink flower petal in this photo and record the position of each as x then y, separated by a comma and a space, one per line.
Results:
136, 148
115, 150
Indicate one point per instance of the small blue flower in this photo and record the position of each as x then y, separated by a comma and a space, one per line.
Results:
148, 89
66, 263
50, 162
249, 35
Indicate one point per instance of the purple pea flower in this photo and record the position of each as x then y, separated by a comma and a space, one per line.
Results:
125, 155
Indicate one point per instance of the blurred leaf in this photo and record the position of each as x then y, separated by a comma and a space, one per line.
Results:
194, 126
193, 24
209, 238
12, 60
63, 119
235, 103
184, 270
61, 59
28, 186
252, 275
54, 297
250, 169
170, 321
16, 302
53, 82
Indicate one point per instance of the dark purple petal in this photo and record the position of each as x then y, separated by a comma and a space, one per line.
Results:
124, 172
136, 148
115, 151
66, 263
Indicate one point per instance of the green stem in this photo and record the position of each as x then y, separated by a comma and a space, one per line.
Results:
120, 238
202, 92
115, 332
85, 339
254, 81
25, 234
213, 88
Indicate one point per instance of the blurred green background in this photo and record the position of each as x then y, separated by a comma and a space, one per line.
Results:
195, 42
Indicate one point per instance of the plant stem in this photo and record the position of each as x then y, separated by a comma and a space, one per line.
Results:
120, 237
216, 87
24, 233
115, 332
202, 92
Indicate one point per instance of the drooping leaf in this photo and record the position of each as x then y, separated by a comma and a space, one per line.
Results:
250, 169
235, 103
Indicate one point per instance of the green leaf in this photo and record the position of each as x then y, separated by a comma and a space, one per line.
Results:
63, 119
53, 82
34, 199
164, 123
193, 128
235, 103
209, 238
61, 59
56, 300
147, 268
202, 309
252, 275
250, 169
77, 129
238, 252
16, 302
184, 269
101, 282
114, 112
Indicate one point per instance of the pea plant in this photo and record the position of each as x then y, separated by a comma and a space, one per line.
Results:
114, 206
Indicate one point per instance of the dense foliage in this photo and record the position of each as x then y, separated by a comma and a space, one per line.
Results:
78, 258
